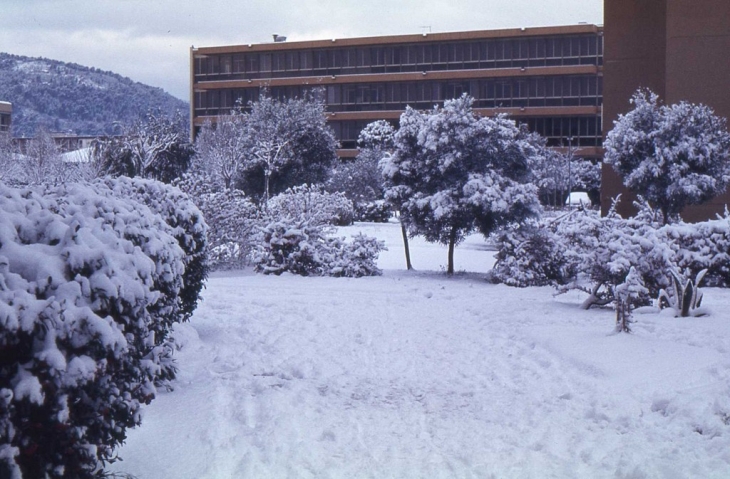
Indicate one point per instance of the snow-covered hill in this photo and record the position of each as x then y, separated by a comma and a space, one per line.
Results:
70, 98
417, 375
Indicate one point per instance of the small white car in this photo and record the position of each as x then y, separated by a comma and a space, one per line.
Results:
578, 198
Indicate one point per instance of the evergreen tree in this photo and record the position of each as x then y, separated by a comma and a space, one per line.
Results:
453, 173
285, 143
154, 148
673, 156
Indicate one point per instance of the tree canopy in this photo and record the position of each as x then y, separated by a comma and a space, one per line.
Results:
285, 143
453, 173
673, 155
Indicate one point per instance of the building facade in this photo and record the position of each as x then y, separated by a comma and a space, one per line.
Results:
550, 78
678, 49
6, 112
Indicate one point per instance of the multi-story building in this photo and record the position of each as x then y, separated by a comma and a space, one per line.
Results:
6, 112
549, 78
678, 49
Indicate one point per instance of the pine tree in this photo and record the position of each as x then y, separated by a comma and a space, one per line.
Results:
673, 156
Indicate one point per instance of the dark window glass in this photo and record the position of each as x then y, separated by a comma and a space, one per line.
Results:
213, 64
305, 60
458, 49
539, 48
239, 63
524, 49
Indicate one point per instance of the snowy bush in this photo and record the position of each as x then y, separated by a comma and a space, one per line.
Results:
375, 211
188, 227
298, 247
292, 247
700, 246
354, 259
313, 205
361, 182
581, 250
232, 221
89, 287
530, 255
601, 252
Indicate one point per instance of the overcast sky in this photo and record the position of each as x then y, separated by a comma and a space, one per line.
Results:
149, 40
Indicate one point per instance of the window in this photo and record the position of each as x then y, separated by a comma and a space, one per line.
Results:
225, 64
239, 63
279, 62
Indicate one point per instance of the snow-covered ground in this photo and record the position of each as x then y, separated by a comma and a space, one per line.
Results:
417, 375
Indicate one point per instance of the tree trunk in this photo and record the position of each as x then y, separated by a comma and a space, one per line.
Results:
452, 242
623, 315
405, 245
267, 175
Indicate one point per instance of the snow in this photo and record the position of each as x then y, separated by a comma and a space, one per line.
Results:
415, 374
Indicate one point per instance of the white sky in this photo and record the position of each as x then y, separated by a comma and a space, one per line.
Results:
149, 40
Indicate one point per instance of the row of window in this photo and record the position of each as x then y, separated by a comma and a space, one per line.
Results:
475, 54
585, 130
541, 91
4, 122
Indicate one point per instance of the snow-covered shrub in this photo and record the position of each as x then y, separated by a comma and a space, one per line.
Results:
361, 182
89, 286
354, 259
298, 247
231, 217
699, 246
375, 211
530, 255
601, 252
313, 205
292, 246
580, 250
188, 227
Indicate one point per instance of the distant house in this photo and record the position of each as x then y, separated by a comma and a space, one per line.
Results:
6, 111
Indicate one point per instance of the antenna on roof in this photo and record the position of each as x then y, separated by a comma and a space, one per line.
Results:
424, 27
279, 38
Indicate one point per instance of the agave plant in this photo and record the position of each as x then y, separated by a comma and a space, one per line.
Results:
687, 296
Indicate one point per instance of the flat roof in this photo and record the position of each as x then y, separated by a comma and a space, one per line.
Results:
6, 107
400, 39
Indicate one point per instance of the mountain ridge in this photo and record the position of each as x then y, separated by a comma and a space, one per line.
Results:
74, 99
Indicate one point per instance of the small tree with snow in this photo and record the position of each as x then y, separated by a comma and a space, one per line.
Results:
10, 166
220, 150
674, 156
360, 178
156, 147
628, 295
377, 141
42, 163
231, 217
311, 204
285, 143
453, 173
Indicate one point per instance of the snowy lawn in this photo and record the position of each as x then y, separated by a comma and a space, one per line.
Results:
414, 374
